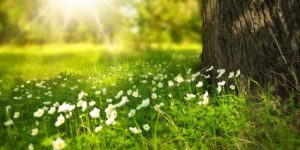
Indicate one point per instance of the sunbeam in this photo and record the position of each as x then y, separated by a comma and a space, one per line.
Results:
100, 27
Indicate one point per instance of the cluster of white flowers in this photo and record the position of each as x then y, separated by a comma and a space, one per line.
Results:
189, 96
205, 99
111, 114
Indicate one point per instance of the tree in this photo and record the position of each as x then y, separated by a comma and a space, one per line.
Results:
260, 37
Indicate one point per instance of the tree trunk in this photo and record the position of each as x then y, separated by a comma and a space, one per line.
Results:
259, 37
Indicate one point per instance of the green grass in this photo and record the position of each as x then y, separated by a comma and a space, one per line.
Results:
231, 119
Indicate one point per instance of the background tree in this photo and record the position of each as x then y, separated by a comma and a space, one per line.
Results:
260, 37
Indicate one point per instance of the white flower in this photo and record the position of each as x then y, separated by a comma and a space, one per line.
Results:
52, 110
210, 68
222, 83
232, 87
97, 92
60, 120
29, 96
9, 123
92, 103
157, 106
221, 72
81, 95
145, 103
39, 113
153, 89
160, 85
120, 93
205, 99
122, 102
219, 89
66, 107
135, 93
231, 75
56, 104
58, 144
146, 127
98, 129
16, 115
238, 72
129, 92
45, 108
109, 100
170, 95
131, 113
154, 96
206, 77
135, 130
170, 83
95, 113
69, 115
179, 79
199, 84
47, 103
189, 96
34, 132
30, 146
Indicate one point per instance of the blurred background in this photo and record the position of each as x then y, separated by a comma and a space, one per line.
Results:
114, 23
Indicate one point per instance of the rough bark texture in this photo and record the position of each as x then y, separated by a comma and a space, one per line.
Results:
260, 37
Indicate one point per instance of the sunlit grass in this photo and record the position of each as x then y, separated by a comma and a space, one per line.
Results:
177, 116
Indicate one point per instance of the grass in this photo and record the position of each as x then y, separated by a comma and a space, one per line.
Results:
31, 76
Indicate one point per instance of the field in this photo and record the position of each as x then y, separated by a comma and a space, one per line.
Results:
86, 97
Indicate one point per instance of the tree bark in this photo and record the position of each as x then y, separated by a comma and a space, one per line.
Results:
259, 37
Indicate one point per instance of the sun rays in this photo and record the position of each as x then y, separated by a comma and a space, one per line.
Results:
76, 10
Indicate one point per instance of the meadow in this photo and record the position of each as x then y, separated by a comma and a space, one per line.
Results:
87, 97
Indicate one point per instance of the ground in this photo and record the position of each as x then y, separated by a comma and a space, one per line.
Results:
86, 97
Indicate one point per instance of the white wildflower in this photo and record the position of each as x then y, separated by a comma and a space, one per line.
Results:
146, 127
131, 113
8, 123
209, 69
220, 72
92, 103
222, 83
98, 129
157, 106
122, 102
81, 95
60, 120
170, 83
16, 115
231, 75
58, 144
135, 93
135, 130
238, 72
120, 93
189, 96
179, 79
154, 96
232, 87
30, 146
66, 107
205, 99
34, 132
95, 113
160, 85
219, 89
199, 84
39, 113
129, 92
145, 103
